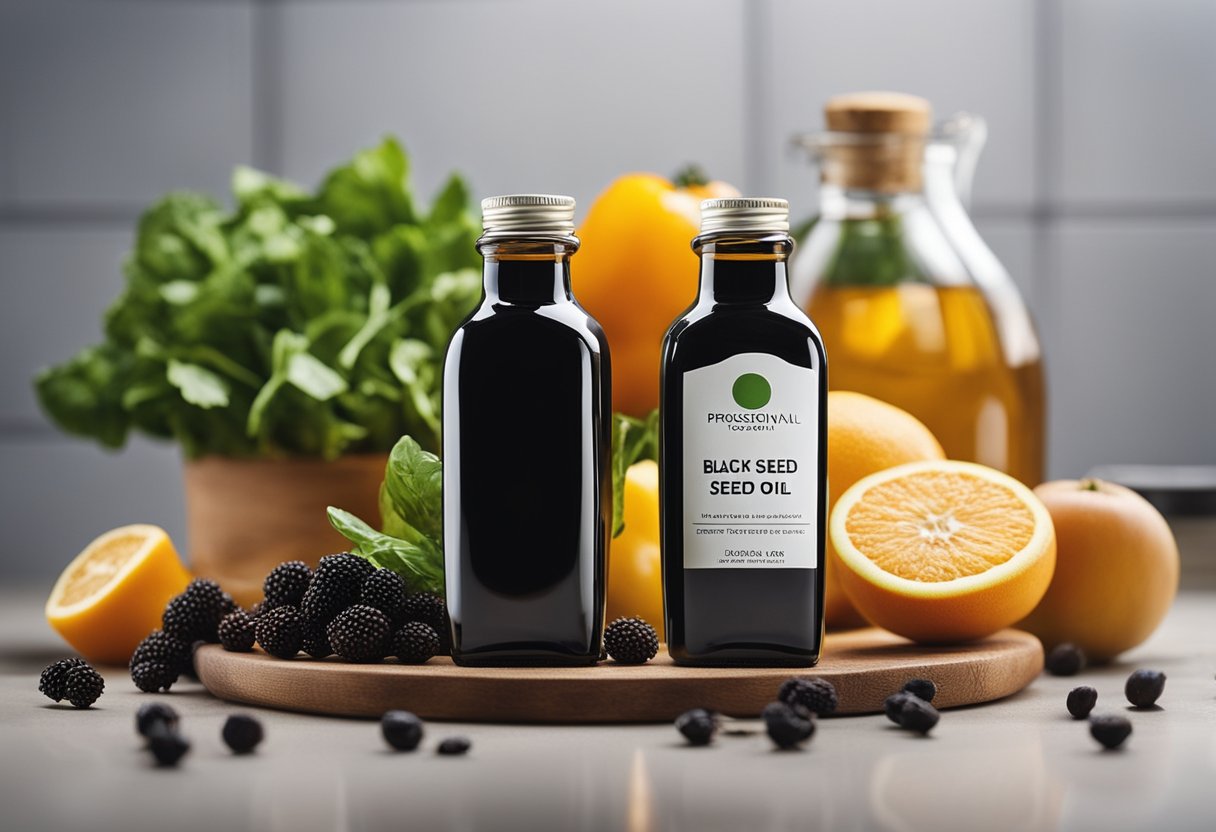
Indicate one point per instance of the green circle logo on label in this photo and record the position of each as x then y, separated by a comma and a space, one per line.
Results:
751, 391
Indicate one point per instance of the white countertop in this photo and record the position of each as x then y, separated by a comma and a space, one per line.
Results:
1021, 763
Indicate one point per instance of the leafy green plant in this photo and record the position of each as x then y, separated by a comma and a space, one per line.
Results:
296, 323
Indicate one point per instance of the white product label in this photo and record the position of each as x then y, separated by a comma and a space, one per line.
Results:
751, 447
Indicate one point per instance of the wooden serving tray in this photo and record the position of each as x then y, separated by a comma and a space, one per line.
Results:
864, 665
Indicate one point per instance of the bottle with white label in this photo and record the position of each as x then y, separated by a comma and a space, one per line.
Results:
743, 452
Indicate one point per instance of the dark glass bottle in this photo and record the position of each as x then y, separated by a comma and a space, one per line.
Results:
527, 489
743, 452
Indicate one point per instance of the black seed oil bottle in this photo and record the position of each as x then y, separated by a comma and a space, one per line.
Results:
743, 452
527, 489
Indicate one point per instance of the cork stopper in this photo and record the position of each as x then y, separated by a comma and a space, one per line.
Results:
879, 140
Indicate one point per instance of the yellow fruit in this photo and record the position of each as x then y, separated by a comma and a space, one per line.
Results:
113, 593
865, 436
1116, 571
943, 551
635, 570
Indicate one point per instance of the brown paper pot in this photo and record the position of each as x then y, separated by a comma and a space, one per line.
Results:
247, 516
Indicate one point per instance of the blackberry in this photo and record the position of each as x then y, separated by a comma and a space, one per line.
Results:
151, 677
82, 685
360, 634
1110, 730
242, 733
159, 646
816, 695
195, 614
1144, 688
335, 586
1065, 659
316, 642
788, 726
453, 746
53, 679
401, 729
153, 714
167, 745
280, 632
237, 631
255, 612
631, 641
924, 689
698, 726
894, 705
415, 643
918, 715
286, 584
433, 610
1081, 701
385, 590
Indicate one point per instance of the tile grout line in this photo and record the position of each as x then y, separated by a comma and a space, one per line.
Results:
266, 115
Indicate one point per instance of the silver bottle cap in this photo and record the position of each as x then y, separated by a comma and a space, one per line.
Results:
751, 215
527, 214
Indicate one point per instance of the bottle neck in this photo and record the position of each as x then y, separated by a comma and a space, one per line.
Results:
745, 271
527, 272
837, 203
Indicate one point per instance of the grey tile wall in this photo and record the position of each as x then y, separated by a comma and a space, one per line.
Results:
1097, 189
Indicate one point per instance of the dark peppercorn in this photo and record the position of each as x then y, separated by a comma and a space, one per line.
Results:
237, 631
1110, 730
1081, 701
788, 726
167, 745
53, 679
242, 733
385, 590
401, 729
1065, 659
918, 715
360, 634
82, 686
894, 705
921, 688
153, 714
816, 695
415, 643
151, 677
453, 746
631, 641
698, 726
1144, 687
286, 584
280, 632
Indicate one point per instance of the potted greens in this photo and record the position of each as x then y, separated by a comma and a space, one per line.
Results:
285, 344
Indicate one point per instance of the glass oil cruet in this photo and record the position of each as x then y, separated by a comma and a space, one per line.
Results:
913, 307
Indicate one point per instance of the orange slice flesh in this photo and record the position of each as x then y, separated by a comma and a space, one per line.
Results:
113, 593
943, 551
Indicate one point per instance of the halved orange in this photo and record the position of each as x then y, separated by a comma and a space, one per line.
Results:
113, 593
943, 551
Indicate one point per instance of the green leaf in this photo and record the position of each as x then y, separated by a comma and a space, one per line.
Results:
420, 564
310, 376
377, 319
632, 441
369, 195
415, 365
198, 385
414, 483
84, 395
451, 203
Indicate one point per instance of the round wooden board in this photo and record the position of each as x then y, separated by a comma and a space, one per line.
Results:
864, 665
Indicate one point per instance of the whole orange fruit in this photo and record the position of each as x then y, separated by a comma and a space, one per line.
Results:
943, 551
636, 272
865, 436
1117, 570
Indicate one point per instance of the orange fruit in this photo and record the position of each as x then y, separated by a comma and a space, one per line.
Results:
943, 551
635, 569
113, 593
865, 436
1116, 570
